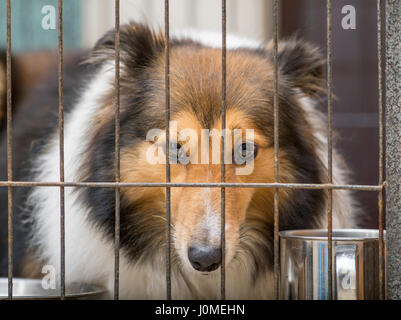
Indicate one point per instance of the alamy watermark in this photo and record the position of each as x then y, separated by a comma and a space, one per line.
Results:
49, 19
184, 147
50, 277
349, 20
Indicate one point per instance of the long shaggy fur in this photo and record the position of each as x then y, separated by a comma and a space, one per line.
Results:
195, 102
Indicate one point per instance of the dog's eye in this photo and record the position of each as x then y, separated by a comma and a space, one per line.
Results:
245, 152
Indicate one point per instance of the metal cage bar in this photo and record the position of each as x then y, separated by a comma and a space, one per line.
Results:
276, 240
117, 152
382, 293
168, 177
393, 147
9, 155
330, 154
61, 146
310, 186
223, 144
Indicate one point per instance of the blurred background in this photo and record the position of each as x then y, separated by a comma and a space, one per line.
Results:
85, 21
354, 53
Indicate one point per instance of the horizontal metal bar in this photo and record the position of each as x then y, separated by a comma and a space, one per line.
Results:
192, 185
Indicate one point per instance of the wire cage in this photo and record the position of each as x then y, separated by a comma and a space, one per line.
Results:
389, 189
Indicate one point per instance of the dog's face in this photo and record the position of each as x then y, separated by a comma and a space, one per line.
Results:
196, 104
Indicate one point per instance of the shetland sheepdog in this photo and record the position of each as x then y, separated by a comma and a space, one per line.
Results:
196, 104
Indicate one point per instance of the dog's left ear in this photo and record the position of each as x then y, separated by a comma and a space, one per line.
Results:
300, 64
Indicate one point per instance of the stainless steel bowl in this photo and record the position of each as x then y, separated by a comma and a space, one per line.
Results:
32, 289
303, 258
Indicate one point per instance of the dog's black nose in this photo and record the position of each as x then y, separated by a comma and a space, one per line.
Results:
205, 259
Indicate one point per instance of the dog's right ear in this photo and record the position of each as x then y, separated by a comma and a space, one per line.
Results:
139, 46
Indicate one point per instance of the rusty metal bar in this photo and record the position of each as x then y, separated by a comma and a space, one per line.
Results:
393, 148
382, 292
117, 152
168, 177
9, 155
61, 146
223, 144
309, 186
276, 155
330, 153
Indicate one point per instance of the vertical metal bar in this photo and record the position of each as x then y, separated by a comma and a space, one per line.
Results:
393, 148
381, 148
223, 146
117, 152
9, 155
61, 146
330, 153
276, 154
168, 178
